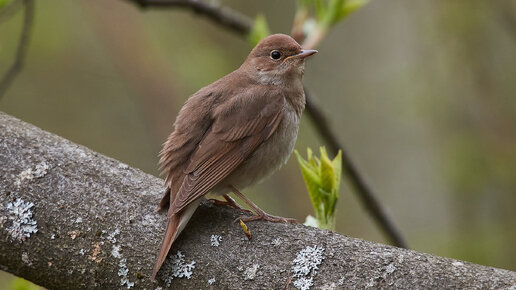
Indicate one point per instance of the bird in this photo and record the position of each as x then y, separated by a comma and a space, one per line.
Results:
233, 133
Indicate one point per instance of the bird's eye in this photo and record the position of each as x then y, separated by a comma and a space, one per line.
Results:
275, 54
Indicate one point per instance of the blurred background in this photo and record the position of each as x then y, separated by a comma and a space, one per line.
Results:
422, 94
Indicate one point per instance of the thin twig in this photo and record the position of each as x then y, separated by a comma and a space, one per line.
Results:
242, 25
225, 17
21, 50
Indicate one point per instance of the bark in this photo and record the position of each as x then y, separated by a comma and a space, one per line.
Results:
97, 227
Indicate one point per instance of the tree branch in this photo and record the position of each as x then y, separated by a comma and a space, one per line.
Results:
239, 23
97, 228
225, 17
21, 50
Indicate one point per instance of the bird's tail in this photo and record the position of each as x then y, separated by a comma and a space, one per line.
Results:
176, 223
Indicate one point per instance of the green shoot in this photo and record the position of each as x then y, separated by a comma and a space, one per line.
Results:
322, 179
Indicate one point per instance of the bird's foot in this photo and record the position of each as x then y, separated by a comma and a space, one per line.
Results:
229, 202
260, 214
266, 217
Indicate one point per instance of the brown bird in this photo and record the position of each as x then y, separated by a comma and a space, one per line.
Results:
233, 133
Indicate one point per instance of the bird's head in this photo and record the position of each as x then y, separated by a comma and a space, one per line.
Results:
277, 59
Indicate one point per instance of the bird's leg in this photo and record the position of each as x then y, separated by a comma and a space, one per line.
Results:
260, 214
229, 202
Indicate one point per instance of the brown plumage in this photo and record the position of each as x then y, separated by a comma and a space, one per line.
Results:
234, 132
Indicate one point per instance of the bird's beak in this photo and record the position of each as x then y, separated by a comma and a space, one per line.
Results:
303, 54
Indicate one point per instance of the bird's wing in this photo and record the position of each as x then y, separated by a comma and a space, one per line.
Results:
190, 126
239, 127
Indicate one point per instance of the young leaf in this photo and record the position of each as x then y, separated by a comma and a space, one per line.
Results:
327, 172
349, 7
337, 167
320, 9
311, 178
322, 179
334, 10
259, 31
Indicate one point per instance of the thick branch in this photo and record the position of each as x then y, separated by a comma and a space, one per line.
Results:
97, 228
21, 49
237, 22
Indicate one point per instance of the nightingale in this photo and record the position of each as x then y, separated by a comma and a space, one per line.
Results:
233, 133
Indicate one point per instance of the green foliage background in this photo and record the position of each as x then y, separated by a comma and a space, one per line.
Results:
421, 92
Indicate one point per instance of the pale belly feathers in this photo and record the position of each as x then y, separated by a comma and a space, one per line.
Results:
268, 157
